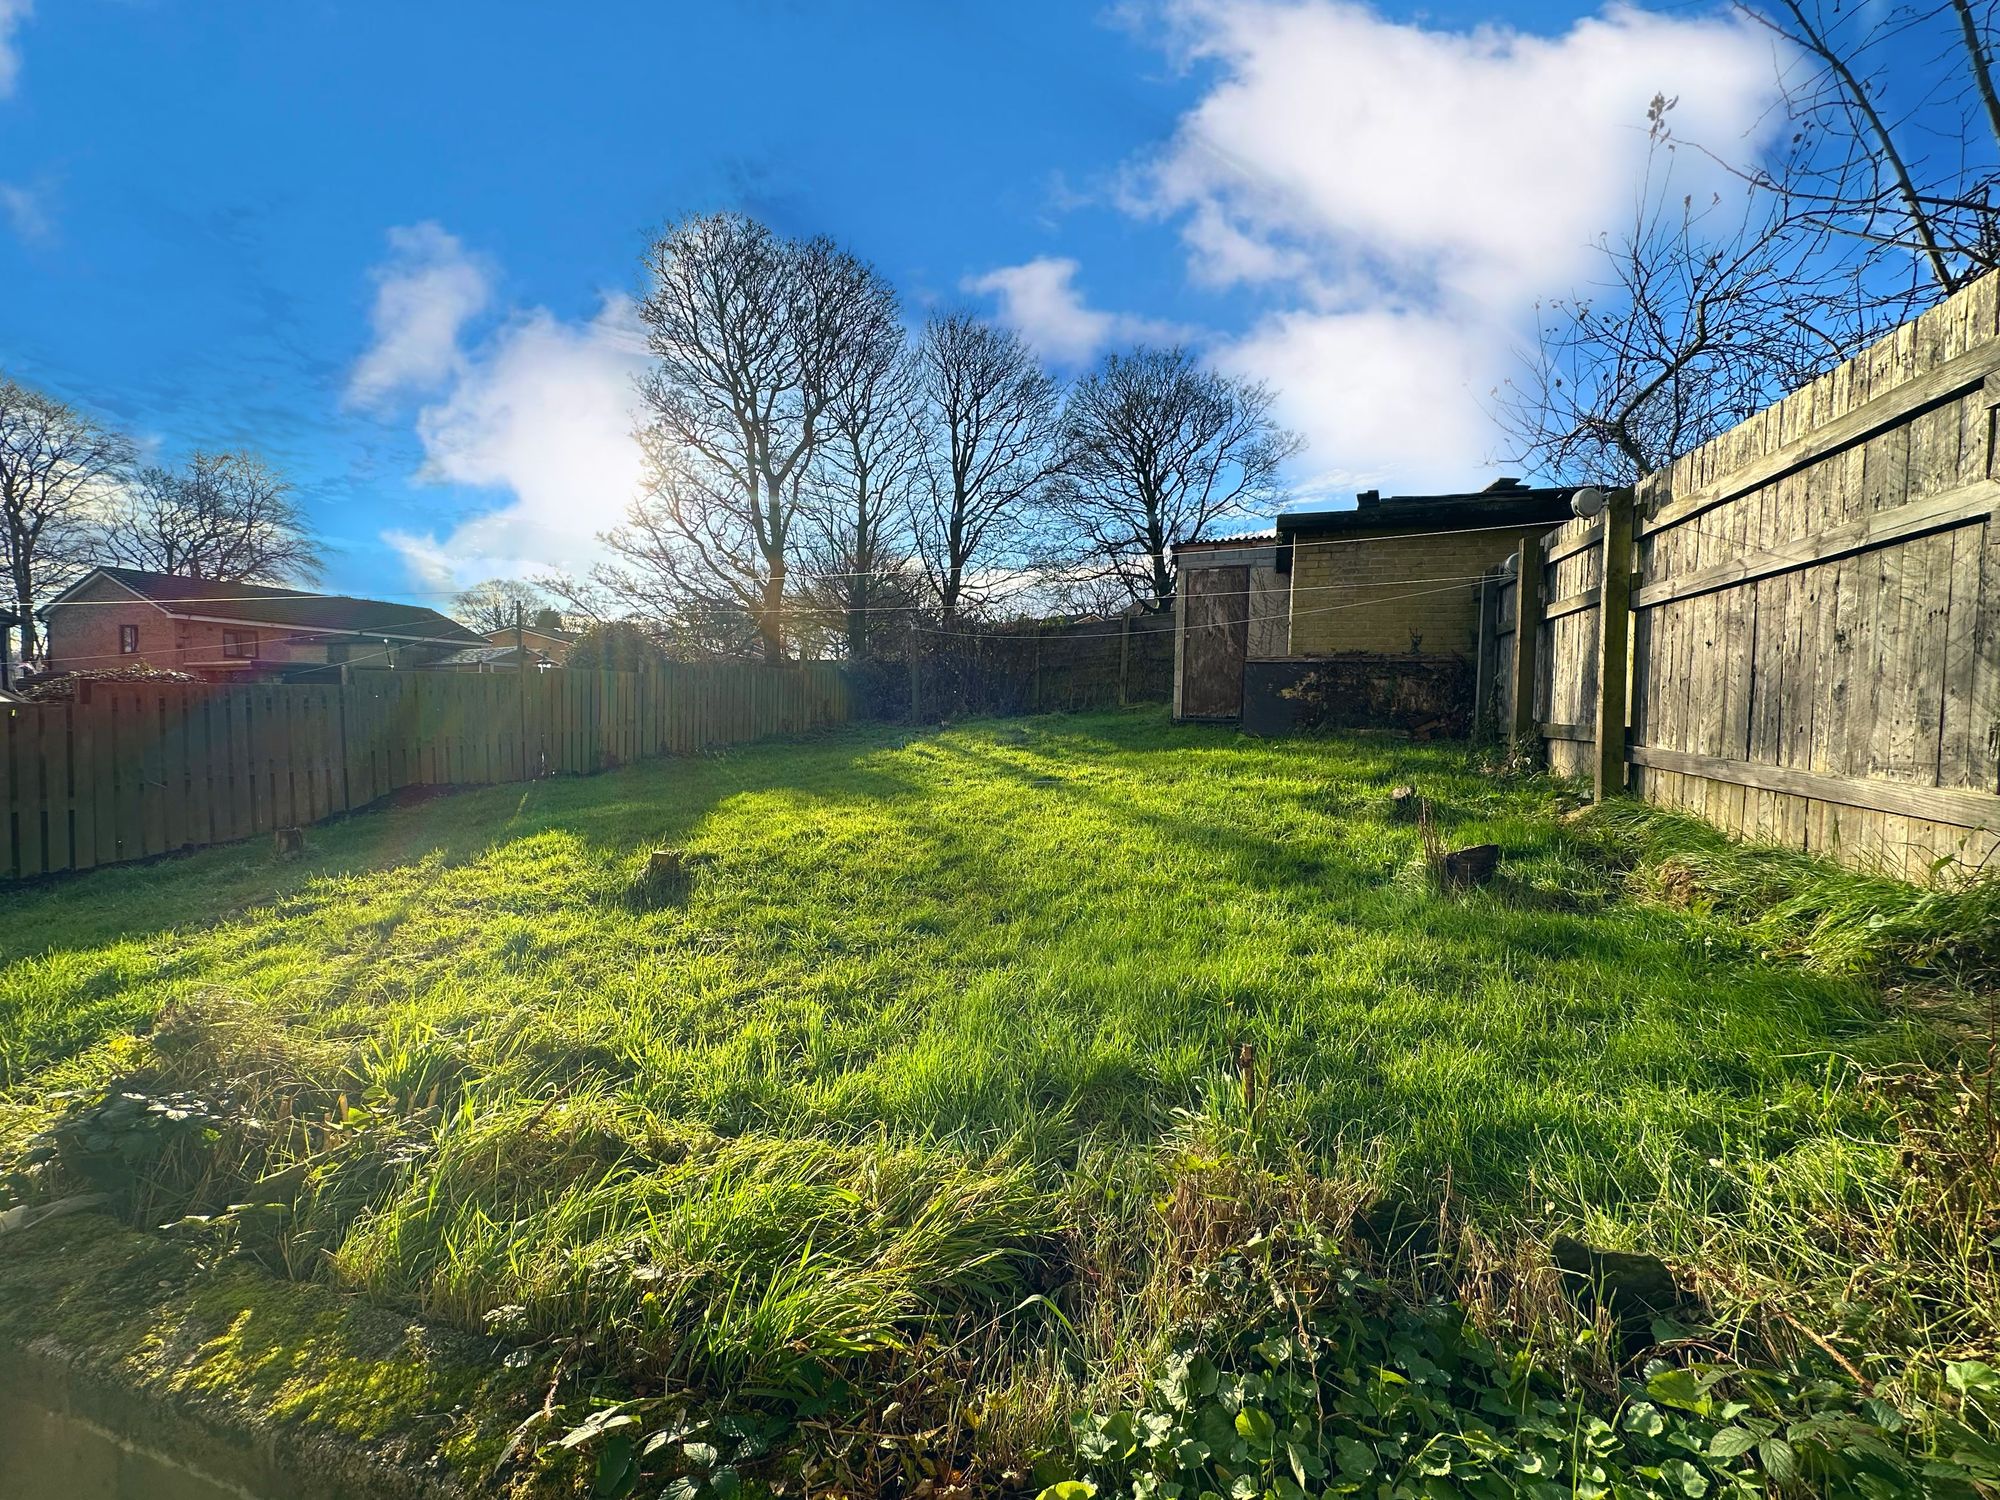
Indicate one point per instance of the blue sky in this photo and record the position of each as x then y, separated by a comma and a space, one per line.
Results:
389, 245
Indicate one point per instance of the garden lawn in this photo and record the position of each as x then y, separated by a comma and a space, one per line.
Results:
903, 1072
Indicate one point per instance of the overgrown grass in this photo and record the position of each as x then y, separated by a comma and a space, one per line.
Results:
903, 1112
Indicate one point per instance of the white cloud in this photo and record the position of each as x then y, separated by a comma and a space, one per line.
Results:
1387, 399
1405, 194
26, 214
12, 14
1039, 300
543, 408
425, 294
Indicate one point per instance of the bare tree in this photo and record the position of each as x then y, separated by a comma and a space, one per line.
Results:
1707, 312
1896, 138
226, 516
861, 547
58, 469
1156, 450
753, 336
496, 603
988, 416
1879, 201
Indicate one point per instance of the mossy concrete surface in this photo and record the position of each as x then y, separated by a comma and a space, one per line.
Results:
131, 1370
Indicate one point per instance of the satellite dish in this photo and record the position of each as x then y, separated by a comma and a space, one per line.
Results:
1587, 502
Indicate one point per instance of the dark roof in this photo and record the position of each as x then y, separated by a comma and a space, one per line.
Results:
1505, 502
255, 603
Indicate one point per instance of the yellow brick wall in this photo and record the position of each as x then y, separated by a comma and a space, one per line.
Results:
1377, 594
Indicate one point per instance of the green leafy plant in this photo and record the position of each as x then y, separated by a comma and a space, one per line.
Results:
1357, 1392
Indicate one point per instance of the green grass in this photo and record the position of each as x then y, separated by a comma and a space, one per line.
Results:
907, 1078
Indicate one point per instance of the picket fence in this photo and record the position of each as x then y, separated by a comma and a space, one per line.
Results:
126, 771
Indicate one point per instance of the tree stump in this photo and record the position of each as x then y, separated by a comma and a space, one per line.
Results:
1402, 803
289, 842
1462, 869
1632, 1289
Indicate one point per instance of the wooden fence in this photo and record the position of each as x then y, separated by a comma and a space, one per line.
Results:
130, 770
1802, 638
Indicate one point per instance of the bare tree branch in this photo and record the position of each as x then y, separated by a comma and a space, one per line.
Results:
225, 516
59, 470
988, 415
1155, 450
753, 336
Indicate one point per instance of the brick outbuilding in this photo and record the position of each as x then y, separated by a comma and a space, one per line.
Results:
1379, 605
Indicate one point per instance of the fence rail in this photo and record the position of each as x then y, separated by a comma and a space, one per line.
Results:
1809, 608
131, 770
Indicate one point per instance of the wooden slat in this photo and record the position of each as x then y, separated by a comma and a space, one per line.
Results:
1578, 734
28, 791
11, 716
1967, 372
1574, 603
1977, 502
1963, 809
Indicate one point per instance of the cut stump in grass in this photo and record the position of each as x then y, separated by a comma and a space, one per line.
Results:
1462, 869
1402, 803
667, 877
1633, 1289
289, 842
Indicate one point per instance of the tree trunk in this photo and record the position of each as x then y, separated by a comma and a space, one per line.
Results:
24, 596
771, 625
857, 619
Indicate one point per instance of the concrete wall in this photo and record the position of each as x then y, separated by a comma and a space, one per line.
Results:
1384, 592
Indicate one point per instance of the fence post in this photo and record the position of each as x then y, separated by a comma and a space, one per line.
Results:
1487, 660
521, 690
1614, 628
1527, 633
1124, 661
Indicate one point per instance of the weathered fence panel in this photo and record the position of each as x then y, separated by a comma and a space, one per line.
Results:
1566, 665
1814, 612
1825, 582
129, 770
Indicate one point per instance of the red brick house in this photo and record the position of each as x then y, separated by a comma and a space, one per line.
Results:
238, 631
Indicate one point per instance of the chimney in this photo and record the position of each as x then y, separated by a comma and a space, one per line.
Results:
1368, 498
1500, 486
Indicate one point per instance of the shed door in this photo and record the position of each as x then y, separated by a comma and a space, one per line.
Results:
1217, 621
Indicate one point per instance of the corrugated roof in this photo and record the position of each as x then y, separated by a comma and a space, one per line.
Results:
258, 604
1248, 539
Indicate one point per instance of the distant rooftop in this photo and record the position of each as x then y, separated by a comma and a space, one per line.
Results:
297, 609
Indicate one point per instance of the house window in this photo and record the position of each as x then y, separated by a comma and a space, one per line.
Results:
128, 640
239, 643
